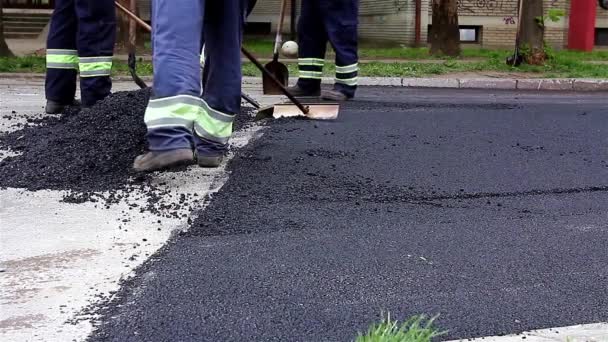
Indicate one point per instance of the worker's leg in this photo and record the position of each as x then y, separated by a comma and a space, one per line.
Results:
222, 89
96, 37
312, 39
61, 54
175, 103
341, 22
204, 61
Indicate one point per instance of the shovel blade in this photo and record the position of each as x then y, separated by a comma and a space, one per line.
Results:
280, 72
316, 111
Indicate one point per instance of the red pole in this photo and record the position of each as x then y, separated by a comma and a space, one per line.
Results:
581, 31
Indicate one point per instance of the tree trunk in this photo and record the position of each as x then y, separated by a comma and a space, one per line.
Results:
4, 50
132, 24
445, 34
127, 30
531, 41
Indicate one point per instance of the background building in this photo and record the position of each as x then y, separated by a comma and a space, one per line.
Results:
484, 23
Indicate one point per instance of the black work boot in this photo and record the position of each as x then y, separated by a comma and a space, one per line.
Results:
209, 161
53, 107
159, 160
334, 95
299, 92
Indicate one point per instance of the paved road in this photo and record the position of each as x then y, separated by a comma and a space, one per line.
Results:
58, 258
489, 209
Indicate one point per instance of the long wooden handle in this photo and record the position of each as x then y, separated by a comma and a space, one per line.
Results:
278, 38
131, 15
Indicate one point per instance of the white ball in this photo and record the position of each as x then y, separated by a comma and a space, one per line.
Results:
290, 49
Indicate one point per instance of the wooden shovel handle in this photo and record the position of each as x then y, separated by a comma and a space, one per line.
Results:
131, 15
278, 37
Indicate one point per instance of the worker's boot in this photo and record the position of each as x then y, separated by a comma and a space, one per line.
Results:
299, 92
53, 107
334, 95
160, 160
209, 161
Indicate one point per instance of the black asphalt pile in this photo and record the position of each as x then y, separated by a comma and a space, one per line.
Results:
87, 152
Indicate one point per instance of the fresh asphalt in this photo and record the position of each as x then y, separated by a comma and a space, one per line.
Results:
488, 208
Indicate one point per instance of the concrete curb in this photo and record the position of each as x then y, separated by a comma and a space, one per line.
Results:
534, 84
562, 84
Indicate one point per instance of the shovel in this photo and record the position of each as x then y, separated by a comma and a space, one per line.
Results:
277, 69
316, 111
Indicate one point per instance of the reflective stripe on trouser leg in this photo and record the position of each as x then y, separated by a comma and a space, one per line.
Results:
96, 40
341, 24
95, 66
61, 59
187, 114
347, 75
311, 68
170, 116
223, 31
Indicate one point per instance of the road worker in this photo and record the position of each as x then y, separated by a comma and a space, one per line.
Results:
184, 126
81, 39
322, 21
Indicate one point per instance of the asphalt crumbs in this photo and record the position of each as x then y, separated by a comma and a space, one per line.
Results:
489, 209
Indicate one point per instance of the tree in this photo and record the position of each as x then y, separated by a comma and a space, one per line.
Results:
445, 33
128, 33
4, 50
531, 41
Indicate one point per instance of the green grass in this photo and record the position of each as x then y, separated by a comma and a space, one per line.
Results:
560, 68
33, 64
263, 47
567, 64
415, 329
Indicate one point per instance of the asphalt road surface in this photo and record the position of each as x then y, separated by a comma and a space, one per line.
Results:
487, 208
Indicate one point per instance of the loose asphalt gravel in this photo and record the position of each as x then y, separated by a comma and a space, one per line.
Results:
486, 208
88, 152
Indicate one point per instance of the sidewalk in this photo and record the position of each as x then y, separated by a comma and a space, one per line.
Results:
461, 81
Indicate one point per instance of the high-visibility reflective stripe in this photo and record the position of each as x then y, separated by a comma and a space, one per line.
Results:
166, 108
349, 81
217, 115
347, 69
193, 101
95, 66
62, 66
96, 73
212, 129
311, 74
57, 61
202, 132
95, 59
61, 52
170, 122
190, 112
311, 61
